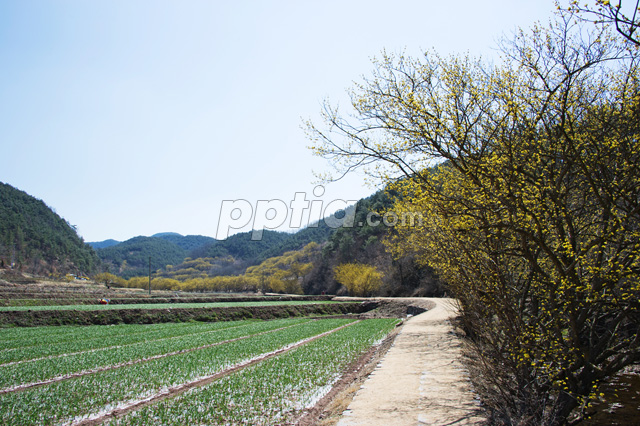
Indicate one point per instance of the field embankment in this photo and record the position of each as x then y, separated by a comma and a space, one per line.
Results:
28, 318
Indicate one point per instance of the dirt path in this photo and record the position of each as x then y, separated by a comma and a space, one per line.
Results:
421, 380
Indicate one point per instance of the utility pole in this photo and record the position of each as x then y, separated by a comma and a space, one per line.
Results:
149, 275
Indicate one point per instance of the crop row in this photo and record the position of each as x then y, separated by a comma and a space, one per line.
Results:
101, 337
274, 391
21, 337
76, 398
47, 368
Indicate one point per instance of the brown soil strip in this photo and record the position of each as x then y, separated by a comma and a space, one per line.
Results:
128, 363
174, 391
31, 318
328, 409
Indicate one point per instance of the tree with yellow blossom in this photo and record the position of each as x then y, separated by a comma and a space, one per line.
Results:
526, 175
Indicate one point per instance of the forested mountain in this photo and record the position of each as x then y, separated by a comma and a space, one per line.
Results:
103, 244
271, 244
35, 239
131, 258
318, 232
352, 236
188, 242
241, 246
361, 242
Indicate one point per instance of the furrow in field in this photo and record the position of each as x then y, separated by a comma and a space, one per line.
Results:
174, 391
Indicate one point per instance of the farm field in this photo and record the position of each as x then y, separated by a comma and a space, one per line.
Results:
62, 304
18, 290
235, 372
98, 307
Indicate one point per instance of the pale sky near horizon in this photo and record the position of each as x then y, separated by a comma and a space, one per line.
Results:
133, 117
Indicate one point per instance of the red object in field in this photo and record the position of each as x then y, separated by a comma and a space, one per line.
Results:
104, 301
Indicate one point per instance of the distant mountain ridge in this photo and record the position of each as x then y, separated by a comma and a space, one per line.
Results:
188, 242
131, 258
185, 242
103, 244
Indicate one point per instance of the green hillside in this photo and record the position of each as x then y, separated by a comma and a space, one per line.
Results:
362, 243
318, 232
131, 258
35, 239
103, 244
188, 242
240, 246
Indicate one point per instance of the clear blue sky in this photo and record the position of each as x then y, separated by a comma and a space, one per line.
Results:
136, 117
